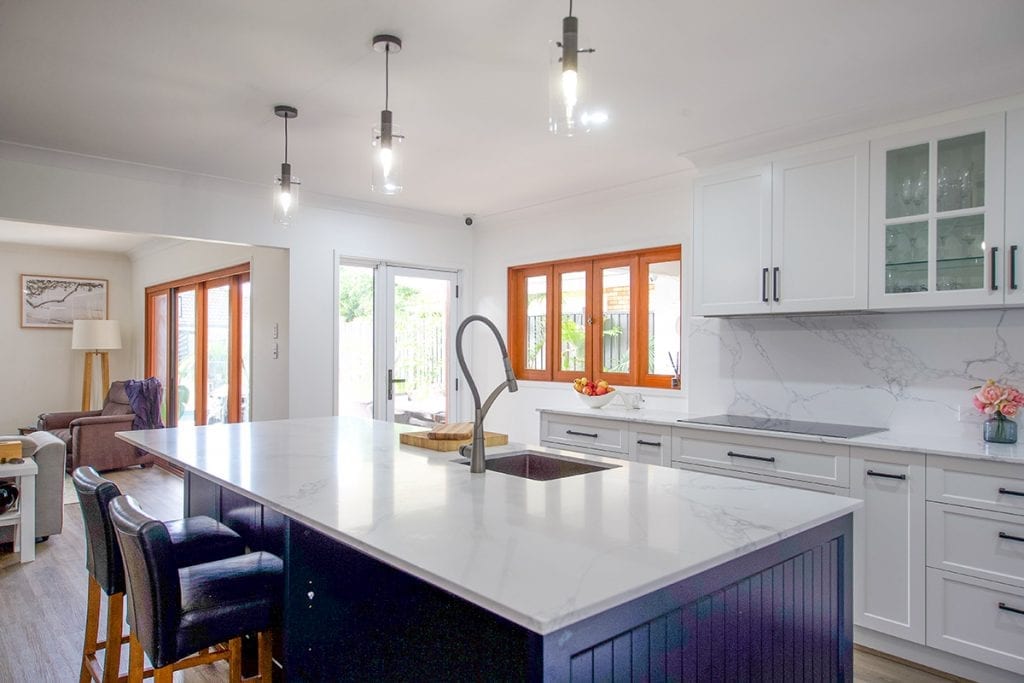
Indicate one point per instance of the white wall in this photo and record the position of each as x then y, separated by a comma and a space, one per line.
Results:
649, 214
40, 372
64, 189
269, 289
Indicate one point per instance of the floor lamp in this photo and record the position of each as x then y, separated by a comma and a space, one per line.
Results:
96, 338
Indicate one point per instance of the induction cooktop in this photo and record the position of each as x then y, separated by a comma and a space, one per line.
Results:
793, 426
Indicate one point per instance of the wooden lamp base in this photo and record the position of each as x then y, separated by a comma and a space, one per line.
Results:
87, 376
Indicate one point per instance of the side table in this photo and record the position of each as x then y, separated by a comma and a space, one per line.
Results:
24, 514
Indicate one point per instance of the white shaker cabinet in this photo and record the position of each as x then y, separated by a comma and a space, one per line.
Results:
820, 231
732, 242
889, 542
1013, 277
937, 216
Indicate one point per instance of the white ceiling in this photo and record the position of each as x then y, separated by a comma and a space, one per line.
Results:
190, 84
58, 237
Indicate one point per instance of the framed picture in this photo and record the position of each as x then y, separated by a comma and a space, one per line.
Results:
54, 301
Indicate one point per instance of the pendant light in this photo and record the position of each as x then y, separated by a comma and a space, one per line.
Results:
568, 113
387, 167
286, 194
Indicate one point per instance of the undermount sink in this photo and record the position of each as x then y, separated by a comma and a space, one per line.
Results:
540, 466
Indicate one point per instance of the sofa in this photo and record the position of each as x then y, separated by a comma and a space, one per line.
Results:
48, 452
89, 435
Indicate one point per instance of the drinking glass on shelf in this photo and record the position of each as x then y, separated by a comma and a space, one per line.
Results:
907, 191
921, 189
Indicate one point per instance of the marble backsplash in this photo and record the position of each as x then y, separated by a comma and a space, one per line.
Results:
905, 371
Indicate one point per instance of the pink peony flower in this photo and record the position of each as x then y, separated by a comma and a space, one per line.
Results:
978, 403
990, 393
1009, 410
1015, 396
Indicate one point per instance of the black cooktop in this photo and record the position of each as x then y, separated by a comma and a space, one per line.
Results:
795, 426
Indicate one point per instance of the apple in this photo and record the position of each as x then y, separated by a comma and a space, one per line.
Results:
601, 391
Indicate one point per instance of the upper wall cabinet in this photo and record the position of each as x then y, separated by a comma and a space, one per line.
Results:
732, 242
1013, 275
937, 217
789, 237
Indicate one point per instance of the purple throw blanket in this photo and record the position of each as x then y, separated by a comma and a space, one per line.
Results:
144, 397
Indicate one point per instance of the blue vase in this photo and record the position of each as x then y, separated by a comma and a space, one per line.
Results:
1000, 429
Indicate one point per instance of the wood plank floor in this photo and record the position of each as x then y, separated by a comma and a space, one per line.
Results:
43, 603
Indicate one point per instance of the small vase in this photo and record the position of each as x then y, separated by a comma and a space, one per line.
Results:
1000, 429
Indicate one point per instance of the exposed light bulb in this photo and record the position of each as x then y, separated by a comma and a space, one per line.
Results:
569, 83
285, 199
387, 158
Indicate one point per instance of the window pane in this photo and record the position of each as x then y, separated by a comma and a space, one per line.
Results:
536, 322
246, 343
615, 295
355, 341
663, 322
421, 315
573, 290
158, 355
218, 315
186, 356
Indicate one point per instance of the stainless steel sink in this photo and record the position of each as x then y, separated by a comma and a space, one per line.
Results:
540, 466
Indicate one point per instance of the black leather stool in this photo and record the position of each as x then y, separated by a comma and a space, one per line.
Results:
195, 540
178, 612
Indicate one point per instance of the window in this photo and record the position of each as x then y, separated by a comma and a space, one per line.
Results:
198, 345
614, 317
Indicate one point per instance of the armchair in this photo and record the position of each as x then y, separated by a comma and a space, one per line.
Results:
89, 435
48, 452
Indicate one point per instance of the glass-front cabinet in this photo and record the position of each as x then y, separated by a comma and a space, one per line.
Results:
937, 217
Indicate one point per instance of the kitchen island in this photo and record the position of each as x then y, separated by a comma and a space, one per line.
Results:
400, 564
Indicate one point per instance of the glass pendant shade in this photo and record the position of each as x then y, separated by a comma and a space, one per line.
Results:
286, 196
387, 156
569, 112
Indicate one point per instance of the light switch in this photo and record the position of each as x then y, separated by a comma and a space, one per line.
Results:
275, 351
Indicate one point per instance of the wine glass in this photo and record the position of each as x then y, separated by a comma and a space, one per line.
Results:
921, 189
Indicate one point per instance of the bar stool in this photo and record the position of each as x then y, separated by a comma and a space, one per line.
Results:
178, 615
195, 540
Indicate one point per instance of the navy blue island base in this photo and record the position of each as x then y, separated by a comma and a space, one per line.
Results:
781, 613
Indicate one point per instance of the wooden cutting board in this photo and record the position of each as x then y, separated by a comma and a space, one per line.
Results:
460, 431
422, 440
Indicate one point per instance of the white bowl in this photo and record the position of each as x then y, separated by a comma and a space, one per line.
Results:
594, 401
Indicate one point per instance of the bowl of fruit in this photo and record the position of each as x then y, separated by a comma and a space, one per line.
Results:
593, 394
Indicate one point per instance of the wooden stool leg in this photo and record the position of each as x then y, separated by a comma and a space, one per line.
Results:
266, 656
164, 674
115, 625
235, 660
135, 659
92, 628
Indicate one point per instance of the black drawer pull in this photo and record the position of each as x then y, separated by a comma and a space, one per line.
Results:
775, 284
1010, 537
886, 475
1006, 608
762, 458
574, 433
648, 443
1013, 267
995, 283
764, 285
1009, 492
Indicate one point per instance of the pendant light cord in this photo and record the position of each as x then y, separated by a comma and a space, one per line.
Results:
286, 139
387, 73
570, 8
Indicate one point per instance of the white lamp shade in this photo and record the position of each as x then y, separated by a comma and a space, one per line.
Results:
96, 335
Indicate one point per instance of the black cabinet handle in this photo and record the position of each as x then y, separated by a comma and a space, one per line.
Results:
569, 431
1006, 608
775, 284
648, 443
1013, 266
1010, 537
886, 475
762, 458
1009, 492
764, 285
995, 285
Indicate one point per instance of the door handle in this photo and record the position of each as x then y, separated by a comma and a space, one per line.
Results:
1013, 266
764, 285
993, 283
775, 284
392, 380
886, 475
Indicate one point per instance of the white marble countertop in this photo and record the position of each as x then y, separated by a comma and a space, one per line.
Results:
967, 444
542, 554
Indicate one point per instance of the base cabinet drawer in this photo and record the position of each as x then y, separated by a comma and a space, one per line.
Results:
977, 619
987, 485
605, 436
988, 545
650, 444
812, 462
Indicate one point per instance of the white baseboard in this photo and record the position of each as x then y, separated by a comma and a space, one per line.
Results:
932, 658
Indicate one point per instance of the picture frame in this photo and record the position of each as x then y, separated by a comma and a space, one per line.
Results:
55, 301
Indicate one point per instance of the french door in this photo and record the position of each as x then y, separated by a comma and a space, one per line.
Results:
197, 345
396, 335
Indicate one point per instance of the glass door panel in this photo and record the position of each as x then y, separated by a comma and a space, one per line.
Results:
961, 174
218, 352
185, 353
960, 262
906, 181
572, 288
158, 336
906, 257
245, 344
421, 309
615, 323
663, 323
355, 340
536, 323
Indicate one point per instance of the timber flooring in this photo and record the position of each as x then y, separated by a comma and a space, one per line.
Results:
42, 604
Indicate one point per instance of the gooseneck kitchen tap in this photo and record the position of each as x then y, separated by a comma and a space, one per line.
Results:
476, 448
